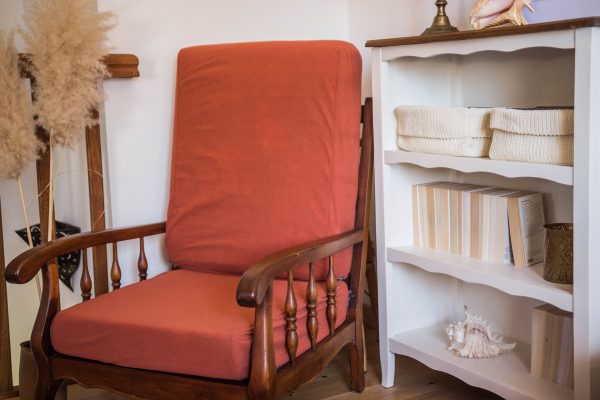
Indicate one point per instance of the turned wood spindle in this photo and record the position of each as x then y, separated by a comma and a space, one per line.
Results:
331, 292
312, 324
291, 338
85, 282
142, 262
115, 270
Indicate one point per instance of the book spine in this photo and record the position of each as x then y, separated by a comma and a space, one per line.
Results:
416, 216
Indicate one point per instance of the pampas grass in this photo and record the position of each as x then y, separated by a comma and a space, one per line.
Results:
18, 143
67, 41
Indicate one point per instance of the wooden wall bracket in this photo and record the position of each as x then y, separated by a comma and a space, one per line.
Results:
119, 66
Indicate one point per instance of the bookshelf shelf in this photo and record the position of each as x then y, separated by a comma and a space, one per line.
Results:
419, 288
555, 173
507, 375
505, 277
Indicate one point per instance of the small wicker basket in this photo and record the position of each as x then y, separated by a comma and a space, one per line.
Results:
558, 255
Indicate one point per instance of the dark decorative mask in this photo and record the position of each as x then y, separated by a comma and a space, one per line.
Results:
67, 263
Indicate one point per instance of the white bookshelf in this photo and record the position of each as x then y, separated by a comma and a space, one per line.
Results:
421, 291
526, 282
556, 173
508, 376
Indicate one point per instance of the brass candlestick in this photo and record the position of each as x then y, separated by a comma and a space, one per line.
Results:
441, 22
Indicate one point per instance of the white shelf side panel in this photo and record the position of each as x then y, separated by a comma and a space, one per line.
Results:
506, 278
555, 173
507, 375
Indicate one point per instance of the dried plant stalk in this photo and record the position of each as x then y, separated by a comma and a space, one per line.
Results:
18, 143
67, 40
38, 284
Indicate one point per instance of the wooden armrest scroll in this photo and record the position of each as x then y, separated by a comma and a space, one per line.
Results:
256, 280
25, 266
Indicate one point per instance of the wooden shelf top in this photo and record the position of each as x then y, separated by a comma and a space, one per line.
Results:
487, 33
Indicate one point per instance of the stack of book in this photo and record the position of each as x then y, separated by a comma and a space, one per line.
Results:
552, 345
483, 222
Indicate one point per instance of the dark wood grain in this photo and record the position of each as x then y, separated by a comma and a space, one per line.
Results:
86, 281
142, 263
122, 65
115, 269
262, 368
331, 293
41, 346
144, 384
312, 323
487, 33
291, 307
42, 166
96, 199
254, 281
6, 382
26, 265
310, 364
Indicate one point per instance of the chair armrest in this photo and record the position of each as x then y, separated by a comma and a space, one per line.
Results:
255, 281
26, 265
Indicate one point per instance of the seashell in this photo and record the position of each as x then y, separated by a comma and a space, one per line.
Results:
473, 338
492, 13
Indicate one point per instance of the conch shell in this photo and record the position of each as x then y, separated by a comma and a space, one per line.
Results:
473, 338
491, 13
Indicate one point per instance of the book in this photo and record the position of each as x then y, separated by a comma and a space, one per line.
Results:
483, 222
423, 214
526, 223
465, 224
552, 345
495, 235
477, 221
455, 211
445, 214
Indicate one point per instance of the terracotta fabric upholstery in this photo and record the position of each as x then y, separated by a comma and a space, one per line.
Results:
265, 152
182, 321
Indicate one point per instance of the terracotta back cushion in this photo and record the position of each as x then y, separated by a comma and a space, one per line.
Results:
265, 151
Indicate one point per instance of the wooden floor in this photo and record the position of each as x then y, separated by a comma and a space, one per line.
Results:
413, 381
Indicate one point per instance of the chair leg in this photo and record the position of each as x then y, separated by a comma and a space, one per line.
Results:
47, 389
357, 363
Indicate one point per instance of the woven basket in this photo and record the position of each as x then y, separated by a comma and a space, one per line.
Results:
456, 131
543, 136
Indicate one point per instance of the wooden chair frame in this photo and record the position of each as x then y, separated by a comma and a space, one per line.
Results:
254, 290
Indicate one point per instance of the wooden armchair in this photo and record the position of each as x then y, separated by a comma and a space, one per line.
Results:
270, 184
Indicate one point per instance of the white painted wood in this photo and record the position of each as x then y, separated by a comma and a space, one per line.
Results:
507, 375
587, 214
557, 39
505, 277
556, 173
419, 289
387, 358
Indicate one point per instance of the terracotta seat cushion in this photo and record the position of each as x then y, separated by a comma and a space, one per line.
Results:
184, 322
